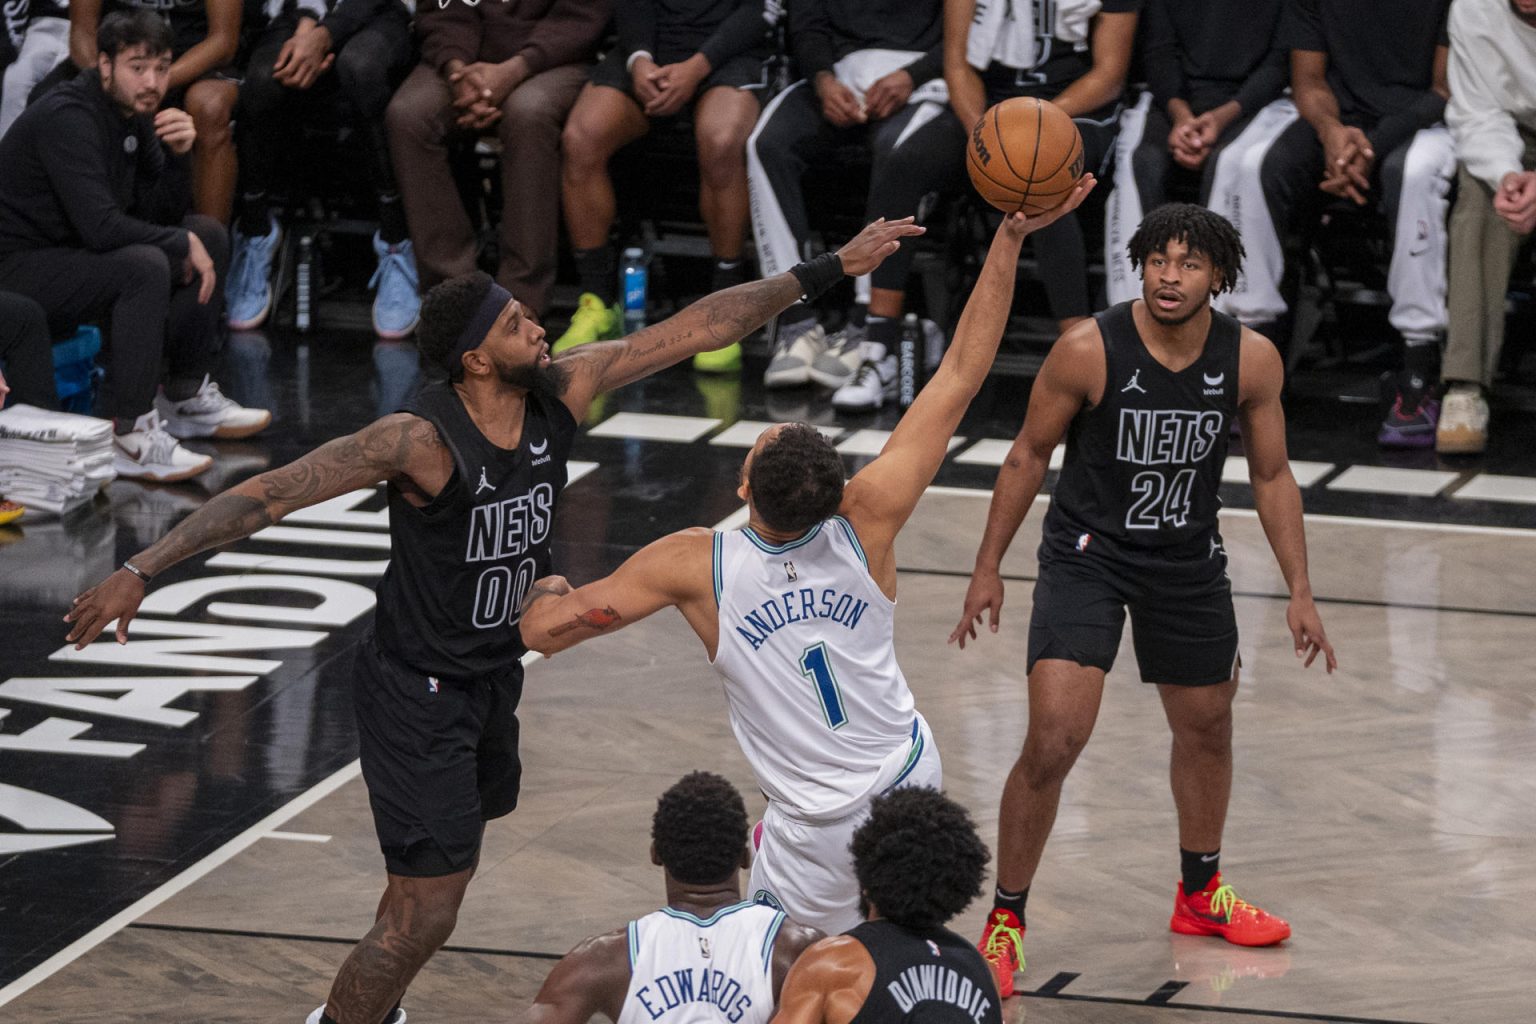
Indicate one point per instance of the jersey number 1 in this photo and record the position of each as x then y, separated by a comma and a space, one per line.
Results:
816, 664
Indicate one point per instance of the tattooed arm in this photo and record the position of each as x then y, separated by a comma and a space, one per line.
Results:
395, 447
675, 570
714, 321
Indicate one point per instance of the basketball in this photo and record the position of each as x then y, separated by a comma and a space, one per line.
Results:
1025, 155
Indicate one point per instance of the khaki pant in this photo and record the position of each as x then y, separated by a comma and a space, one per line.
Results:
420, 120
1482, 253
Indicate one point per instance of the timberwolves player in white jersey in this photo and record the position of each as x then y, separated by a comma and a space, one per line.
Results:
1145, 395
708, 956
796, 613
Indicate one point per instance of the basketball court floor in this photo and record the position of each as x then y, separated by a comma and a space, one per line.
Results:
194, 844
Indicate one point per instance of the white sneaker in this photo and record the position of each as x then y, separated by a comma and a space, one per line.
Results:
871, 385
210, 414
792, 358
841, 360
148, 452
397, 1018
1463, 427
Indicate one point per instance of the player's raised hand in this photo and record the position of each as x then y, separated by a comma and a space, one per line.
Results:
1307, 632
1018, 225
985, 594
116, 597
869, 248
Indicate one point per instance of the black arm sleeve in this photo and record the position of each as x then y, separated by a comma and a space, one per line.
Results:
1266, 83
635, 22
77, 168
347, 16
1395, 129
737, 34
163, 186
810, 37
929, 66
1160, 55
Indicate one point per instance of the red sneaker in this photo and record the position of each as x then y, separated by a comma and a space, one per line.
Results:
1217, 910
1002, 945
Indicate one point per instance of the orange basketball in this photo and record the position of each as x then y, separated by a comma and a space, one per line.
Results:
1025, 154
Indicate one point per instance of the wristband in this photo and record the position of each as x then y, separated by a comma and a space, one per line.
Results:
629, 65
140, 573
818, 275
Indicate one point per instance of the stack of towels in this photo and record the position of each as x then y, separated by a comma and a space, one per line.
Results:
53, 461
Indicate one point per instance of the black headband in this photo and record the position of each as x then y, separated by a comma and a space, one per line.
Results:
496, 299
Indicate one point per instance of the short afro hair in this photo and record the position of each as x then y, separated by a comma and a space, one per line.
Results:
445, 311
1202, 231
124, 30
700, 829
796, 479
918, 858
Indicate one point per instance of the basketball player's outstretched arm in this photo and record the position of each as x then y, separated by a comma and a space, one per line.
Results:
882, 495
676, 570
712, 322
1071, 377
1275, 494
397, 447
592, 978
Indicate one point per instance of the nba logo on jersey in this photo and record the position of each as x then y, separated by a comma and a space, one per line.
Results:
934, 948
1082, 541
703, 947
432, 684
789, 570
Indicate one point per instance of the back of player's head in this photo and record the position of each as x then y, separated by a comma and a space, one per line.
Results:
796, 479
124, 30
446, 311
918, 857
1198, 229
700, 829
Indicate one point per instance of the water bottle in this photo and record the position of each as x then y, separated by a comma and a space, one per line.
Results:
301, 314
634, 289
908, 356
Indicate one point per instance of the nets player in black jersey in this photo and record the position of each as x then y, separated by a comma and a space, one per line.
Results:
919, 863
709, 955
474, 466
1145, 394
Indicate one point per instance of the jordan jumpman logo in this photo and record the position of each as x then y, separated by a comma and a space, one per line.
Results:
485, 485
1135, 384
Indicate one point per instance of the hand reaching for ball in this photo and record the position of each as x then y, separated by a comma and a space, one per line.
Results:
1017, 225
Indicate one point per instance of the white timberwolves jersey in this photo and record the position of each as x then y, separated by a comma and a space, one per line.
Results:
807, 650
687, 970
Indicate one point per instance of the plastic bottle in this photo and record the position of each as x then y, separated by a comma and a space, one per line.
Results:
634, 279
302, 292
909, 360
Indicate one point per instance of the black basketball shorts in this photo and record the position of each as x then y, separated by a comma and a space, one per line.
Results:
1183, 627
745, 72
439, 757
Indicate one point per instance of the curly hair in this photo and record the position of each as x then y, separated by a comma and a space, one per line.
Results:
445, 311
1201, 230
796, 479
700, 829
918, 858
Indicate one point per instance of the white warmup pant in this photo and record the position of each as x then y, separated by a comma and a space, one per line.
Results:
1237, 193
807, 870
44, 45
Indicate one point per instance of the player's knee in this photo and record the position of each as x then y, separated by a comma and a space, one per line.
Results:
579, 147
1209, 730
1048, 758
722, 147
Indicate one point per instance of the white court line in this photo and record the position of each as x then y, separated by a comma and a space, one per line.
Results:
300, 837
117, 922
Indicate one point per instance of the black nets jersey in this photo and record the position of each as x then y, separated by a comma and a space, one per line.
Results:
1143, 466
927, 976
460, 566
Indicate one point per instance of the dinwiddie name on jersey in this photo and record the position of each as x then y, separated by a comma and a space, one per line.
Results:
694, 985
797, 606
1159, 437
935, 983
506, 529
